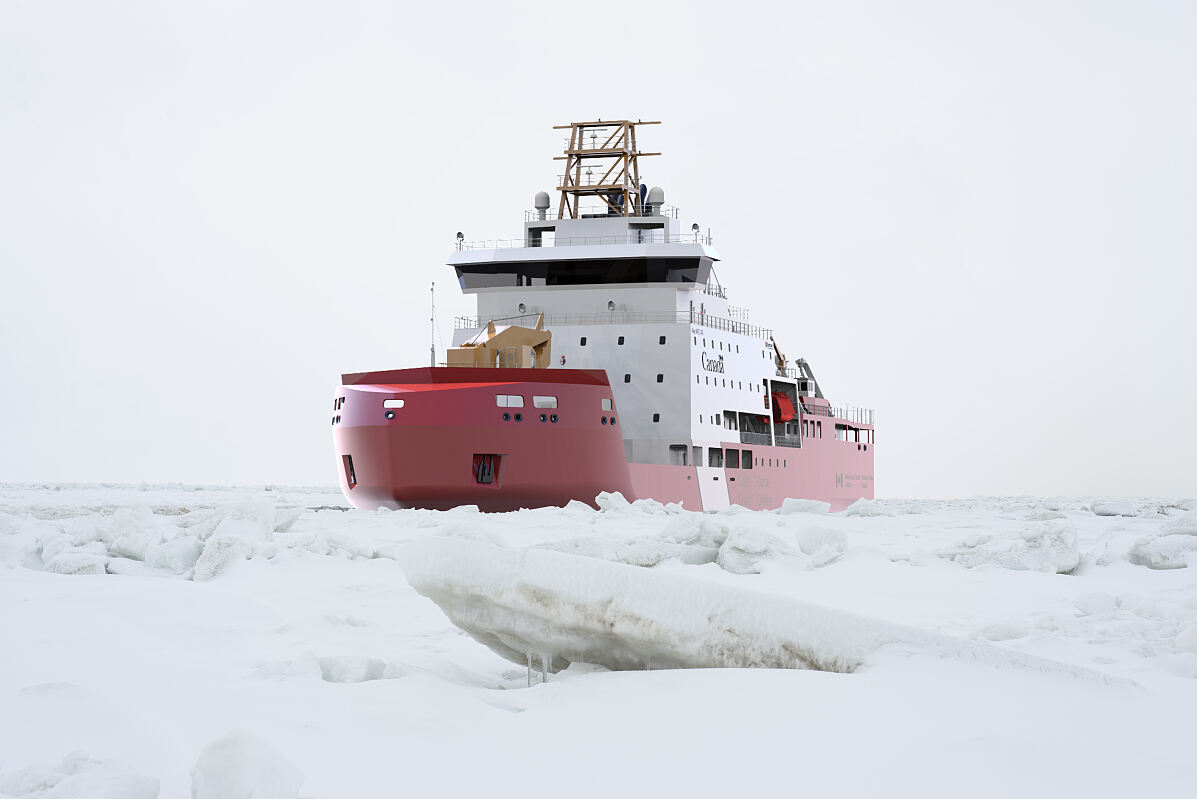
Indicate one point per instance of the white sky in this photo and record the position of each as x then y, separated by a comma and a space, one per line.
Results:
978, 218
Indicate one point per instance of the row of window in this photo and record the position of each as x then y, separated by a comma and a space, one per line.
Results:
718, 457
517, 401
714, 342
619, 341
736, 384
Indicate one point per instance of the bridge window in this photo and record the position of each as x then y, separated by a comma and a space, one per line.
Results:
715, 457
697, 460
733, 459
747, 458
677, 454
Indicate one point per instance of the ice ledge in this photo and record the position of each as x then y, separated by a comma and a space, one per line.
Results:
569, 609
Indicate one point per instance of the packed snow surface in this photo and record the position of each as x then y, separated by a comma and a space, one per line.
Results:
181, 641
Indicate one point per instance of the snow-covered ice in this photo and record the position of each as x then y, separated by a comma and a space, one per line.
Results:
159, 639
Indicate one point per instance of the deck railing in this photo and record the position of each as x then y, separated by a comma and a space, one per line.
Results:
628, 237
620, 318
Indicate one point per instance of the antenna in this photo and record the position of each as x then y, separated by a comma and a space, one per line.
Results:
432, 325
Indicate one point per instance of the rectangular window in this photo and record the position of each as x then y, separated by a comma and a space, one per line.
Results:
656, 418
509, 400
544, 402
627, 378
392, 403
747, 458
697, 459
660, 378
677, 454
819, 430
582, 341
662, 341
620, 342
717, 421
715, 457
350, 476
606, 403
733, 459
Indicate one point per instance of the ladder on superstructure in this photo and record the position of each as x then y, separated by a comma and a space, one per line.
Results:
611, 151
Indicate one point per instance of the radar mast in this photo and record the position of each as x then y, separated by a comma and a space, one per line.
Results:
601, 161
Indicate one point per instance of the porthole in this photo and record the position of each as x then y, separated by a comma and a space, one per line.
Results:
553, 418
611, 305
506, 417
544, 417
604, 420
582, 342
612, 421
519, 417
389, 414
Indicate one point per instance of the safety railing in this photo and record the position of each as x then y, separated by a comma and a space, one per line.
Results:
629, 237
846, 412
754, 438
619, 318
550, 215
788, 441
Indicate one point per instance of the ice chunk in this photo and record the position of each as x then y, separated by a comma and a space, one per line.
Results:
821, 545
694, 529
1175, 551
745, 551
569, 609
1186, 640
220, 551
1112, 507
77, 563
1042, 546
867, 507
1180, 525
644, 552
612, 502
177, 555
243, 765
792, 505
79, 777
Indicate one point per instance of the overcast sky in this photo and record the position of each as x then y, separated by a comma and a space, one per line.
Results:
978, 218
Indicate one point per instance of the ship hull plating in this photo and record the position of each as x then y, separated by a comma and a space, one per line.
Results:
450, 443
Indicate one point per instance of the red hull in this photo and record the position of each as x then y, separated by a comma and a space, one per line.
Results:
425, 457
428, 455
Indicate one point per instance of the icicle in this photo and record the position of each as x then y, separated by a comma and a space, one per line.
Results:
529, 669
544, 668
